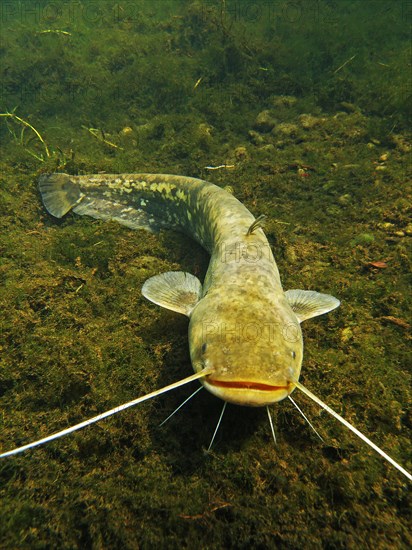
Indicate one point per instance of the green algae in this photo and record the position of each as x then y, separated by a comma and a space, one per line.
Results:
77, 338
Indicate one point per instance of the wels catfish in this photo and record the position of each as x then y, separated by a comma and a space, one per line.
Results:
245, 339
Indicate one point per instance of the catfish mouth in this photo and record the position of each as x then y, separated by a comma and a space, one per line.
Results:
245, 385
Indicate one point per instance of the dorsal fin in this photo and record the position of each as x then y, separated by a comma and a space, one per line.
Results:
259, 222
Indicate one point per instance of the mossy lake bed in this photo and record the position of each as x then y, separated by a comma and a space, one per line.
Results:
325, 153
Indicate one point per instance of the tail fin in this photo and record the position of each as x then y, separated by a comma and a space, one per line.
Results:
59, 194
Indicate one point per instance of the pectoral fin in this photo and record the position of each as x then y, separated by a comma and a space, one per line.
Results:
308, 303
174, 290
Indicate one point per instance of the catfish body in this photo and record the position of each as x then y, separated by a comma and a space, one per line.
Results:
243, 326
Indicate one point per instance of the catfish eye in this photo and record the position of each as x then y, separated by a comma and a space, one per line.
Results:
204, 346
293, 354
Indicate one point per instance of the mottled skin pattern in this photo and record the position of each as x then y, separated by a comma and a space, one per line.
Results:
243, 327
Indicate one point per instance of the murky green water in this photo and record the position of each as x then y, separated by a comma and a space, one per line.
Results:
310, 103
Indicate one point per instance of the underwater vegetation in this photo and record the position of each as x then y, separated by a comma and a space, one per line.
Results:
306, 108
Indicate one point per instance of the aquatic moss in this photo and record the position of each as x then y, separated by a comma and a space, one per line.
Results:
76, 336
